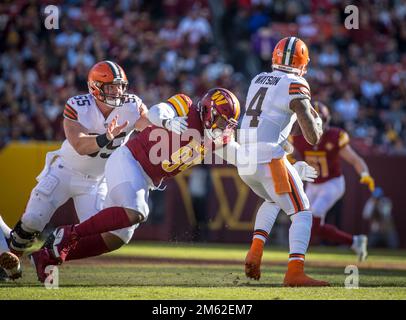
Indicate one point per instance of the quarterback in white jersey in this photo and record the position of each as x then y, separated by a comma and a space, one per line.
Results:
76, 170
274, 102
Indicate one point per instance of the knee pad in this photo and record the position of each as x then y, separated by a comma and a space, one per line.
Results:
21, 239
125, 234
38, 212
302, 216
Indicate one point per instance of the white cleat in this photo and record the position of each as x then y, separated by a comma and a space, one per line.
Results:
359, 245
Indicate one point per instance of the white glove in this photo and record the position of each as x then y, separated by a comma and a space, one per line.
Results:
306, 172
177, 125
319, 123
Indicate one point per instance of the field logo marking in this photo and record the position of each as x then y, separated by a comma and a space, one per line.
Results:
52, 280
52, 19
352, 21
351, 281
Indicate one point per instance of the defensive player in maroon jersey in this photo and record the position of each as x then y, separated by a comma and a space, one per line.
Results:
329, 187
182, 134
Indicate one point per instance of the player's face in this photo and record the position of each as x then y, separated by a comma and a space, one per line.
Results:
220, 123
114, 90
114, 93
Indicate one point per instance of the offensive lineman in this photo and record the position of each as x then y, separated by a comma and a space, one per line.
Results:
182, 134
275, 100
76, 170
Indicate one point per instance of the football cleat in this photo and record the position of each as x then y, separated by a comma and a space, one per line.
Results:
11, 265
40, 260
295, 276
61, 241
253, 259
359, 246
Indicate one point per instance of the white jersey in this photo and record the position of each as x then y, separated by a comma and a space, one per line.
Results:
268, 117
84, 110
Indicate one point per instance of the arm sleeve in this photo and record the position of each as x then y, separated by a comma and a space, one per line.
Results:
299, 89
70, 112
181, 103
159, 112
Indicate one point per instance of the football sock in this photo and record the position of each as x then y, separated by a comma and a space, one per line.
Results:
108, 219
299, 234
265, 220
330, 232
90, 246
296, 256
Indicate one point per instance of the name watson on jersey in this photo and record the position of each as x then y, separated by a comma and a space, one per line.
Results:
269, 80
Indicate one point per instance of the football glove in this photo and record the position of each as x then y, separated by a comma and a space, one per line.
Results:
306, 172
368, 180
319, 123
177, 125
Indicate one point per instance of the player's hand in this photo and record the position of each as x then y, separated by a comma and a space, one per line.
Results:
306, 172
113, 129
177, 125
368, 180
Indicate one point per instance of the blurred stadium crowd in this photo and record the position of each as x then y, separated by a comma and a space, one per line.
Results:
170, 46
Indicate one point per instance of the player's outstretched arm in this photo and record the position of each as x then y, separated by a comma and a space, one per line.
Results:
308, 119
349, 155
163, 115
143, 121
83, 143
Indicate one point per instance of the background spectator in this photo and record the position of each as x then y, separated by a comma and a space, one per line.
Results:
189, 46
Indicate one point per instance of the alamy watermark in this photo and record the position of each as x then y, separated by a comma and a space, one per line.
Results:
51, 17
52, 280
179, 152
352, 280
352, 20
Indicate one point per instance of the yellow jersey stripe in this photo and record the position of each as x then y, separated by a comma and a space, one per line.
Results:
183, 105
175, 104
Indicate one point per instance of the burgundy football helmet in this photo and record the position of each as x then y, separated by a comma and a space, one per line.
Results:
219, 111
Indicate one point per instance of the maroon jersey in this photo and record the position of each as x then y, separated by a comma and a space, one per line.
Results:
324, 157
163, 154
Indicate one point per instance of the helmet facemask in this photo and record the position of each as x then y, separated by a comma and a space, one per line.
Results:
113, 94
217, 126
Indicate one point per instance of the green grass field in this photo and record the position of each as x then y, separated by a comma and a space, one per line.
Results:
197, 271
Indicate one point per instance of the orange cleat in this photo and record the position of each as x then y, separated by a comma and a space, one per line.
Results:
295, 276
253, 260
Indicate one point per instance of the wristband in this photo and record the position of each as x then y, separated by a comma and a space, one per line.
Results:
102, 140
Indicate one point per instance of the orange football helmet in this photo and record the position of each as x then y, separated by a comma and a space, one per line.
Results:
291, 54
107, 82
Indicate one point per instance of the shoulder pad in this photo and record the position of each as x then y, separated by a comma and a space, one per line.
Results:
181, 103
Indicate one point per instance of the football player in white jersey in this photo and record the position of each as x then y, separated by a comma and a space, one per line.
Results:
76, 170
274, 102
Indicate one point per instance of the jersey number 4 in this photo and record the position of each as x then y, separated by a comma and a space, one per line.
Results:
254, 108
